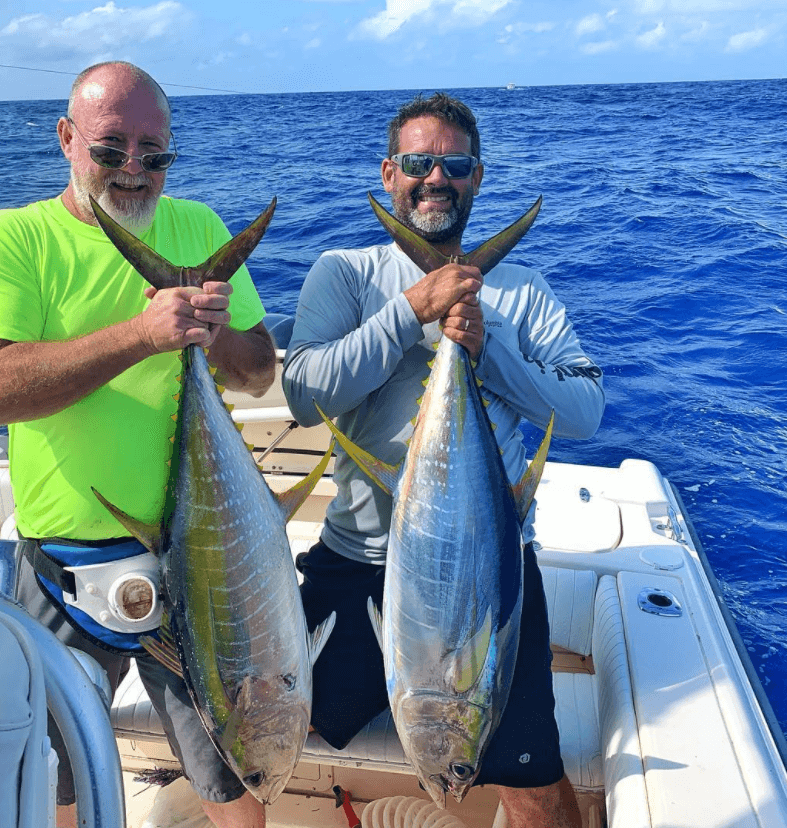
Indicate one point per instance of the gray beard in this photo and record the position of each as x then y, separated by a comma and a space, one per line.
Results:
131, 214
431, 224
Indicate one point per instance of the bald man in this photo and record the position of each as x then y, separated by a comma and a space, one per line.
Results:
88, 371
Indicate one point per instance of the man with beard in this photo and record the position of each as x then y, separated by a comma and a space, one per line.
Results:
89, 365
363, 336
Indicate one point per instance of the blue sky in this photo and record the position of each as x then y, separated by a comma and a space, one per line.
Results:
334, 45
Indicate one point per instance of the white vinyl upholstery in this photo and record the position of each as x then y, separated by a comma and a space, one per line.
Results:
627, 802
377, 747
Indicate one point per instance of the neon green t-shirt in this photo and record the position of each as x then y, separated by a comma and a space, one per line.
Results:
60, 279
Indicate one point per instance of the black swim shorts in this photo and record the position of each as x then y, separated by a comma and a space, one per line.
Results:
349, 679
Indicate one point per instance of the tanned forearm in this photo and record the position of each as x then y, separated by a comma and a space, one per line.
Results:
245, 360
41, 378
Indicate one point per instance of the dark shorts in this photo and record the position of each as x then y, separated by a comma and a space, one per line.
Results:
207, 772
349, 678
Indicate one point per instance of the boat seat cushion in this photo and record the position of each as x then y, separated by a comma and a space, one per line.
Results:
570, 596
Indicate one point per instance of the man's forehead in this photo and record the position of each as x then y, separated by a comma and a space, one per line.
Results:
92, 91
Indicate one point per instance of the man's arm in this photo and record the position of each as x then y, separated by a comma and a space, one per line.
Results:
41, 378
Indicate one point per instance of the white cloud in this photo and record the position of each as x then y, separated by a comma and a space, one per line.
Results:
600, 47
313, 43
651, 39
455, 13
746, 40
588, 25
102, 29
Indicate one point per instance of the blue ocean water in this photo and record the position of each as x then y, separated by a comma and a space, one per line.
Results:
664, 231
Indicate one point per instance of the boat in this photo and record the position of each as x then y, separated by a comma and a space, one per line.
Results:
662, 718
510, 86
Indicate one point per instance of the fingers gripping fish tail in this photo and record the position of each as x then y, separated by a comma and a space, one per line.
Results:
162, 274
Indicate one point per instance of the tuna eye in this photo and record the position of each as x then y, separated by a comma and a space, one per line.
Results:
289, 681
462, 772
254, 780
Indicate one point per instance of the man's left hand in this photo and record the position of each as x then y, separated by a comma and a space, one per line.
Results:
464, 324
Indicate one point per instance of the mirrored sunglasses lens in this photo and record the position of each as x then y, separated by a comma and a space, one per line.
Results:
457, 166
108, 157
158, 161
417, 164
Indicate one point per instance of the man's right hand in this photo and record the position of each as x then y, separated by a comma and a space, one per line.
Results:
176, 318
440, 290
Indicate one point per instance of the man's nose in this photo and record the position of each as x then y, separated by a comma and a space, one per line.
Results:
436, 176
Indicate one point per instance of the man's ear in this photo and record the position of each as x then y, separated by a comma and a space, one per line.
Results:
65, 133
387, 172
478, 176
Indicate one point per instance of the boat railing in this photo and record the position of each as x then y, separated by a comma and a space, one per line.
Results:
76, 706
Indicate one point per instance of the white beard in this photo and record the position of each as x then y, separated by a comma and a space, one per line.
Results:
134, 215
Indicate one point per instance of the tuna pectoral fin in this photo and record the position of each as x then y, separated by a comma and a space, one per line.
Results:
525, 490
377, 620
292, 500
147, 534
417, 249
319, 638
492, 252
152, 267
383, 474
468, 662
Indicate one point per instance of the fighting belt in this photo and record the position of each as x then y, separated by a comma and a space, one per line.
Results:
107, 590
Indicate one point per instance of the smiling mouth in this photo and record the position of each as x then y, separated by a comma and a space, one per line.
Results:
433, 199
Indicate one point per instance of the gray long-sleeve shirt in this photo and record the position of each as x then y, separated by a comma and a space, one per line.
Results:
359, 351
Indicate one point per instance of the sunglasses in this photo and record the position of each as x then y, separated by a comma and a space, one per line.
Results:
420, 164
116, 159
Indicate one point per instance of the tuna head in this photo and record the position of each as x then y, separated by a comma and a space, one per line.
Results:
262, 738
443, 736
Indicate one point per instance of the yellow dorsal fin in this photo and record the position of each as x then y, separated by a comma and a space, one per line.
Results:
230, 407
176, 397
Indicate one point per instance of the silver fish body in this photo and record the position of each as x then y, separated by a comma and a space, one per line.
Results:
234, 626
235, 609
453, 585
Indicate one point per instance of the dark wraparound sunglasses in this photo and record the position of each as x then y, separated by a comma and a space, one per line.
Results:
420, 164
115, 159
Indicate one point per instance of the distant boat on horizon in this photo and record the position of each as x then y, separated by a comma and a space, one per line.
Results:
510, 86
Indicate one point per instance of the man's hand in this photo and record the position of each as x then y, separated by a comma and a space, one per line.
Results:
464, 324
451, 295
438, 291
183, 316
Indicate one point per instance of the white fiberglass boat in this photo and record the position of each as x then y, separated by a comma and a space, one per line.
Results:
662, 719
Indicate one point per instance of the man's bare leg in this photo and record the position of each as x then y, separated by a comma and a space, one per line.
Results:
554, 806
246, 812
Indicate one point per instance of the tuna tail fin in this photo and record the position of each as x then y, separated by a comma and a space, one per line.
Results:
292, 500
492, 252
319, 638
383, 474
484, 257
149, 535
162, 274
525, 490
152, 267
419, 250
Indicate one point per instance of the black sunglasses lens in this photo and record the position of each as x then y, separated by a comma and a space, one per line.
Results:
417, 165
157, 161
457, 166
108, 157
